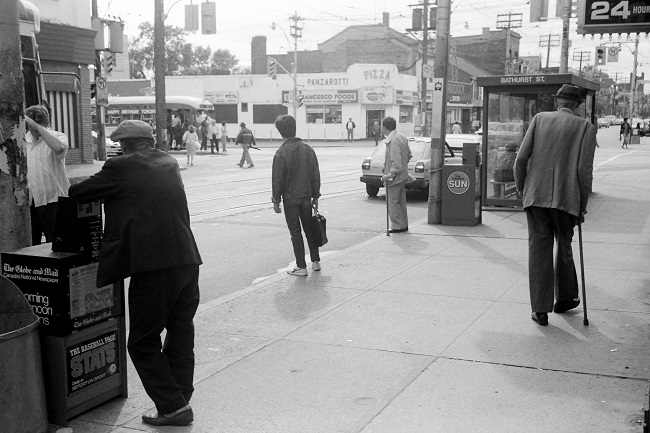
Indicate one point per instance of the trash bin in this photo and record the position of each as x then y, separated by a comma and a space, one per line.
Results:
22, 393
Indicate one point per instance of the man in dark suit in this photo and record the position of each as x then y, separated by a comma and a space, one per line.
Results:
553, 172
148, 237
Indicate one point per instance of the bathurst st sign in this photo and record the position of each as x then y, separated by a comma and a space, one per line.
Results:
613, 16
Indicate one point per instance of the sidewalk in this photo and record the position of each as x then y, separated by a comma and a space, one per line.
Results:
430, 331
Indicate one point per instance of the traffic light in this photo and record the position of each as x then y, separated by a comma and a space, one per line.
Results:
208, 18
433, 18
109, 62
93, 90
272, 67
601, 52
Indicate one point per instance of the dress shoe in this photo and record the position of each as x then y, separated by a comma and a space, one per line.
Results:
563, 306
183, 416
541, 318
405, 229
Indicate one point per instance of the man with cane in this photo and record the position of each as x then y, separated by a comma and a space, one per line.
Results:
553, 173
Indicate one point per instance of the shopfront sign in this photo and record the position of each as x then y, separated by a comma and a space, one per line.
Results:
323, 97
221, 97
613, 16
404, 97
377, 95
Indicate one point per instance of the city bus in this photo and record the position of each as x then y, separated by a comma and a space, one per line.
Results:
190, 109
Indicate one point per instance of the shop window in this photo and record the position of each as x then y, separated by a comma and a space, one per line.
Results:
225, 113
324, 113
405, 114
267, 113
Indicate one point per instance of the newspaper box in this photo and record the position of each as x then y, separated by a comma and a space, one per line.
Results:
61, 288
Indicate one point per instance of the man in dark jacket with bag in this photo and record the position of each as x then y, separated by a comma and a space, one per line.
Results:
296, 182
148, 237
553, 172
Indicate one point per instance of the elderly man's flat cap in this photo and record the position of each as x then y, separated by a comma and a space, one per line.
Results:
132, 129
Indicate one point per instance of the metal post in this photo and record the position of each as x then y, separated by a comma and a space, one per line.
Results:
159, 77
439, 112
633, 80
14, 197
425, 60
99, 109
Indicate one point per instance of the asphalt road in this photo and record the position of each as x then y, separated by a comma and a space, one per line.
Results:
242, 240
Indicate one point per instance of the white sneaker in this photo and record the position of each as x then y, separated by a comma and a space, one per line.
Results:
298, 272
315, 266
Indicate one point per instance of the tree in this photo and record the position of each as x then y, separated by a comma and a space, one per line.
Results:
181, 58
223, 59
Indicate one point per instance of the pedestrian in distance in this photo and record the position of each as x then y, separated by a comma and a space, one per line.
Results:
395, 175
296, 183
147, 236
46, 175
177, 130
224, 136
246, 139
554, 173
350, 128
215, 136
376, 131
204, 126
191, 141
456, 129
625, 133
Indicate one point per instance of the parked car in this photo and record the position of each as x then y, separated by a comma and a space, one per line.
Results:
112, 148
618, 121
420, 164
603, 122
610, 118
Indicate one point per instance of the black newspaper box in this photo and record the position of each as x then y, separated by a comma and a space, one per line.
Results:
61, 288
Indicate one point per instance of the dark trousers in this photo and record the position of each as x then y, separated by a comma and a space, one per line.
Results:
214, 141
204, 141
43, 221
547, 279
296, 214
164, 299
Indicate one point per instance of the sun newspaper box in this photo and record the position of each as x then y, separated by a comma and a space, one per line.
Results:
61, 288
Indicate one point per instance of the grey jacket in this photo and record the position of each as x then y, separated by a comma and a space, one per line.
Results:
555, 162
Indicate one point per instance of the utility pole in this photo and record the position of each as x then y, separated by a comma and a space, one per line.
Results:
296, 32
439, 112
548, 42
159, 77
99, 108
425, 61
566, 21
633, 80
14, 196
581, 56
509, 21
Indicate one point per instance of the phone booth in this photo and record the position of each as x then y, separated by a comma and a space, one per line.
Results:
509, 104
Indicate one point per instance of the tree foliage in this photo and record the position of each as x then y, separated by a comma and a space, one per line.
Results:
181, 58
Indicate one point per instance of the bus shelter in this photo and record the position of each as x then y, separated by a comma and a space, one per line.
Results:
509, 104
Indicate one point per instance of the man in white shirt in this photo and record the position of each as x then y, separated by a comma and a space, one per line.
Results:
46, 176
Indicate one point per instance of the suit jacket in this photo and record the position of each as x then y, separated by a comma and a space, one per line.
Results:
147, 220
555, 162
398, 155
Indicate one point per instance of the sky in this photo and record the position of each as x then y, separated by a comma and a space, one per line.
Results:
239, 21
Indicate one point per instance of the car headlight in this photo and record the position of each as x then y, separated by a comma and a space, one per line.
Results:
366, 164
419, 167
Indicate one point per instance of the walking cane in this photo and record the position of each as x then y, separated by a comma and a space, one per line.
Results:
582, 271
387, 225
